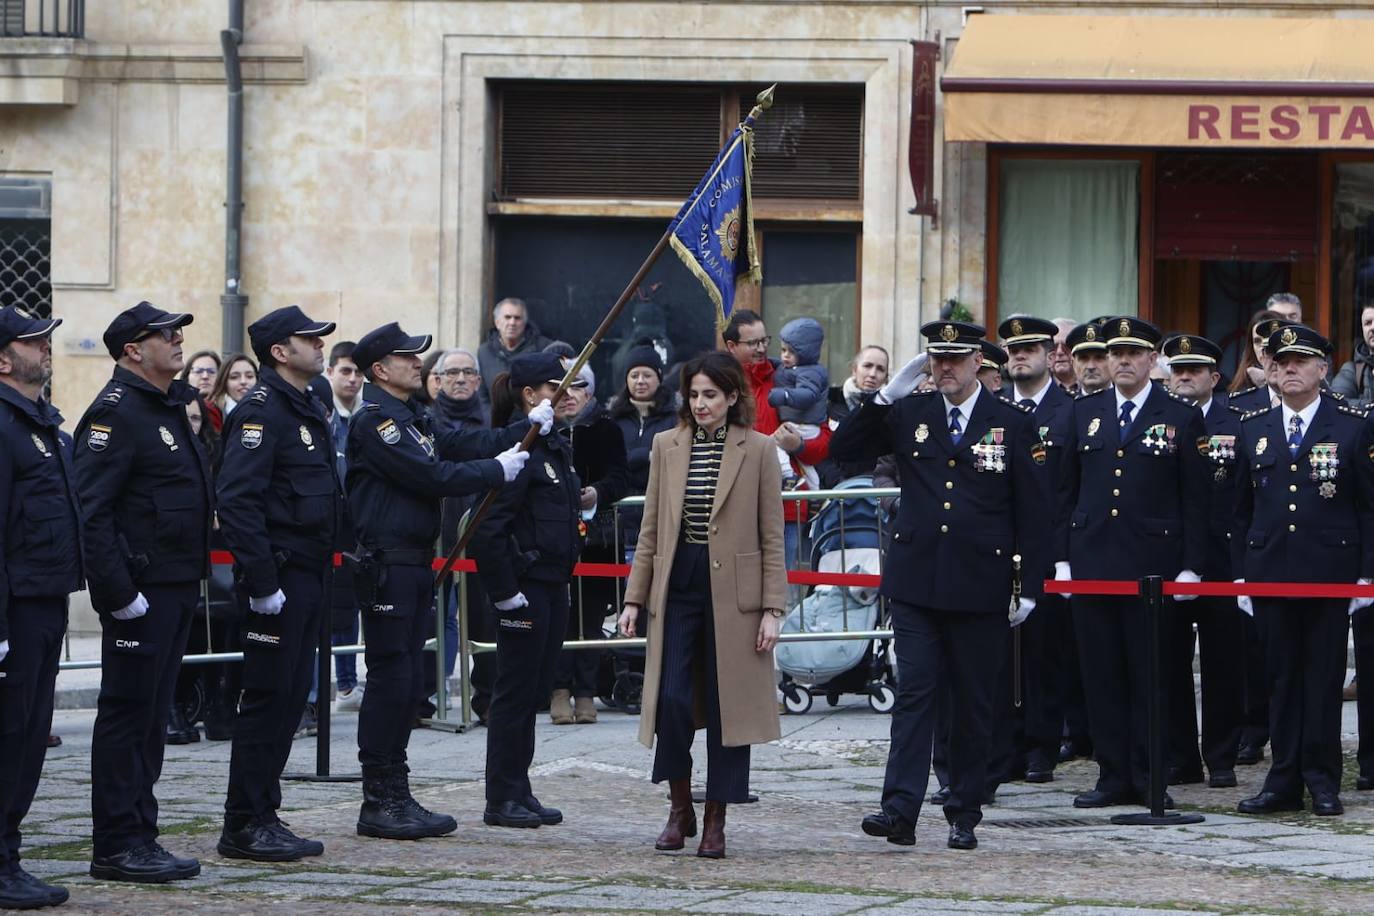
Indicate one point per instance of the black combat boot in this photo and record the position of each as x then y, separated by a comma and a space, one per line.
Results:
384, 814
434, 824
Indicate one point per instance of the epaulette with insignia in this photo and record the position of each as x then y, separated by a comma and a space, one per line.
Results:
1257, 412
1180, 398
1010, 403
1352, 411
1092, 394
1241, 394
368, 405
260, 394
113, 395
1333, 394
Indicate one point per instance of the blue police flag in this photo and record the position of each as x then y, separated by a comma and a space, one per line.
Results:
713, 233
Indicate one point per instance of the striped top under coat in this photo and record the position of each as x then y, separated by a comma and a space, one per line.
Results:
702, 473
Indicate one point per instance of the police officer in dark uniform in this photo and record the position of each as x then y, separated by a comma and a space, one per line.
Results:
398, 473
1304, 510
1088, 349
971, 501
525, 550
40, 564
1133, 503
146, 503
1193, 375
1029, 342
279, 501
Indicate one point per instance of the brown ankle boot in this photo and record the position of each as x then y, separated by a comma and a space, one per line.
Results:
682, 817
712, 844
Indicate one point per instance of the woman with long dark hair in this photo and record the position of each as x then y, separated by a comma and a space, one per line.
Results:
1252, 354
709, 569
236, 378
525, 550
644, 408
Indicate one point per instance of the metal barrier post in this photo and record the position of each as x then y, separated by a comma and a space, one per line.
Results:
1152, 597
324, 658
464, 649
440, 718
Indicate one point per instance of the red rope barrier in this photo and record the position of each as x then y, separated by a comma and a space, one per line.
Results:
1052, 586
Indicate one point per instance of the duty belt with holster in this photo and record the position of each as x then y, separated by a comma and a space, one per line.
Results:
370, 568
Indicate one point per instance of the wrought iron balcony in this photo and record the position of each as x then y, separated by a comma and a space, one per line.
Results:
42, 19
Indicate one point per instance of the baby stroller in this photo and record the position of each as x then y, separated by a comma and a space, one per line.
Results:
845, 539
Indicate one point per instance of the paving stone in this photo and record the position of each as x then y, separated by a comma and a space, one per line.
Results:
293, 889
1336, 842
352, 877
1287, 858
942, 906
1257, 829
613, 897
430, 894
1122, 911
1343, 871
800, 904
533, 887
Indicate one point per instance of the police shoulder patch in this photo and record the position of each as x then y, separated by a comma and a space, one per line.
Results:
98, 437
389, 431
250, 435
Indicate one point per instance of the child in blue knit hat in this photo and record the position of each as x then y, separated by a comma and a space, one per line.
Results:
800, 388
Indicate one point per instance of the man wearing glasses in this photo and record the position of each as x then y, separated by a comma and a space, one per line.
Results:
457, 404
146, 501
746, 339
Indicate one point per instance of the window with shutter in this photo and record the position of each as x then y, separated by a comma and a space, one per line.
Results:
635, 141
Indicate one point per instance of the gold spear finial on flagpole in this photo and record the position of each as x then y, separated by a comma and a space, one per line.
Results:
763, 102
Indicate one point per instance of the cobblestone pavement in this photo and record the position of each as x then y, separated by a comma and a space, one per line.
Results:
798, 851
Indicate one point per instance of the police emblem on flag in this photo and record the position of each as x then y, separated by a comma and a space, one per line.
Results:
728, 234
389, 431
97, 438
251, 436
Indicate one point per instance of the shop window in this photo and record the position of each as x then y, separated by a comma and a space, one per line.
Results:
1068, 237
1352, 249
808, 145
814, 275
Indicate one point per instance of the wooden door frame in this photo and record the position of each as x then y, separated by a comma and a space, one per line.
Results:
997, 154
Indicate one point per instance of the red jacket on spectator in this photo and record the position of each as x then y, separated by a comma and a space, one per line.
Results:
813, 451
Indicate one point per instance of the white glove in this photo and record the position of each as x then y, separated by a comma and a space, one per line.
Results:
513, 602
512, 462
904, 382
4, 649
1018, 616
135, 609
269, 605
1062, 572
1243, 601
542, 416
1189, 577
1358, 603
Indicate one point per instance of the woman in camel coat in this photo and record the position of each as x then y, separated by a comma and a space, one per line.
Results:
708, 568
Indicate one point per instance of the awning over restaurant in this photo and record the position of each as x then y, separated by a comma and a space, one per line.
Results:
1162, 81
